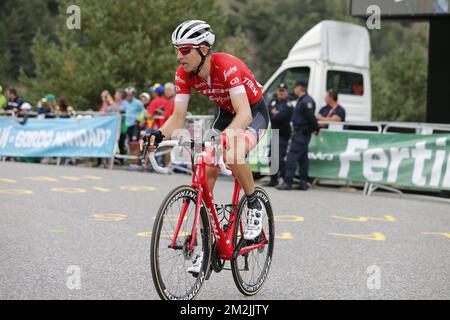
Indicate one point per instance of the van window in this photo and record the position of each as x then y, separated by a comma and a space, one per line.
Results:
345, 82
289, 77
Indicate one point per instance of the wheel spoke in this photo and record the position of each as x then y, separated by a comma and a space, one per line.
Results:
256, 259
173, 264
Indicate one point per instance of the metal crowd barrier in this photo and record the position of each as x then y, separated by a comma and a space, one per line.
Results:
384, 128
191, 120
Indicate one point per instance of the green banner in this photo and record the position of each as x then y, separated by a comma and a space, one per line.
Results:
415, 161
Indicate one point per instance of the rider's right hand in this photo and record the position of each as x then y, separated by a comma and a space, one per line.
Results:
154, 137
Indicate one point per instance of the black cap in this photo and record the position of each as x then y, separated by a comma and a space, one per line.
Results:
301, 84
283, 86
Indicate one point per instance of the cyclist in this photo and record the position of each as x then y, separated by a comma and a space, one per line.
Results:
242, 114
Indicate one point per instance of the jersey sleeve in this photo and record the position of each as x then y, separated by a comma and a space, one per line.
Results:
182, 82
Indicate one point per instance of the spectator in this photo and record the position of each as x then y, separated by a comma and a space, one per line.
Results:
25, 108
358, 89
14, 101
141, 119
134, 107
333, 111
169, 92
145, 99
63, 108
46, 107
304, 123
106, 106
51, 100
43, 107
111, 105
3, 101
144, 119
120, 105
280, 117
158, 105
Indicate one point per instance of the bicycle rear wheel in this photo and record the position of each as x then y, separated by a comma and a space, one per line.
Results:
170, 265
251, 269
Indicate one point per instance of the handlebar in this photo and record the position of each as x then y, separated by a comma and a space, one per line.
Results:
174, 143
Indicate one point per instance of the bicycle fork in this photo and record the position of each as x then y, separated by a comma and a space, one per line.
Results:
198, 207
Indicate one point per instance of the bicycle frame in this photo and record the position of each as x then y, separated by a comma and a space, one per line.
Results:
224, 239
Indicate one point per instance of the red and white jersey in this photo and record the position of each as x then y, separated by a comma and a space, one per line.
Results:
228, 76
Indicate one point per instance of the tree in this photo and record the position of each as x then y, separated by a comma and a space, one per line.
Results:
120, 44
399, 79
19, 20
128, 43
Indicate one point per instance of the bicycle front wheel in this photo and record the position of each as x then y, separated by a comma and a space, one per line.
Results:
171, 261
251, 269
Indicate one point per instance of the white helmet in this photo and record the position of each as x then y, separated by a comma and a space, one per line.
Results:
193, 32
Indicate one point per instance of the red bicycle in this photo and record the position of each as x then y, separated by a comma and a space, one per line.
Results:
189, 225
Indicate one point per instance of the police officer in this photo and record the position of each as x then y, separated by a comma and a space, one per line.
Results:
280, 116
304, 123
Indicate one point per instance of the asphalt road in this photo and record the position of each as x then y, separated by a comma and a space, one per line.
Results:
57, 222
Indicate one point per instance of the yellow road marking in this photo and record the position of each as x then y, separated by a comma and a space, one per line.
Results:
101, 189
145, 234
386, 218
284, 236
88, 177
69, 190
279, 218
16, 192
109, 217
137, 188
443, 234
376, 236
71, 178
57, 230
7, 180
42, 179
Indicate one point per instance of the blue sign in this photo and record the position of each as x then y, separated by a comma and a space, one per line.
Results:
78, 138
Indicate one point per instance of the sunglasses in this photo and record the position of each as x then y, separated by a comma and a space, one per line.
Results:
185, 50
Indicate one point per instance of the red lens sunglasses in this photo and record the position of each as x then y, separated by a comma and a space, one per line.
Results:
185, 50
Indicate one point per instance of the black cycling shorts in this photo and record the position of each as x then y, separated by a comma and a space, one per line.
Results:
258, 126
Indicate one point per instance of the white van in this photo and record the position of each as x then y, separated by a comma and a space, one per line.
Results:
332, 55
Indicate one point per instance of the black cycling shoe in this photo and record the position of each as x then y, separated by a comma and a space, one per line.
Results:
303, 185
284, 186
271, 184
